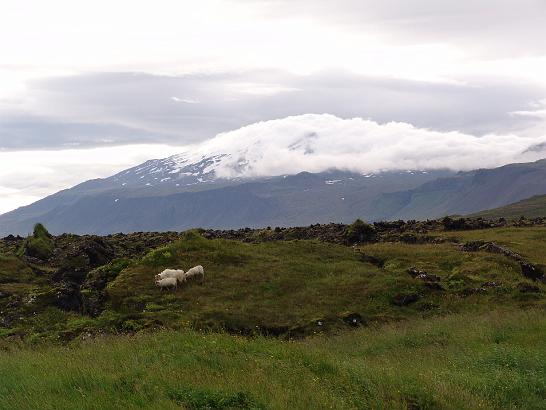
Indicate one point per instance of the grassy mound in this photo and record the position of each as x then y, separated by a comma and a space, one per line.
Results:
464, 361
290, 289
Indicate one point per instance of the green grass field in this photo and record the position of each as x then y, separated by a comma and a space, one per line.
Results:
495, 360
283, 324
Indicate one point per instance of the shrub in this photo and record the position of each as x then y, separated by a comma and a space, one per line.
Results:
39, 245
359, 231
450, 224
40, 231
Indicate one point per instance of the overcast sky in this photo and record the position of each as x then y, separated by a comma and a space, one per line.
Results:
89, 88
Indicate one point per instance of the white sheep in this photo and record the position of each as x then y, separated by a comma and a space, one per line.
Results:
171, 273
195, 271
167, 283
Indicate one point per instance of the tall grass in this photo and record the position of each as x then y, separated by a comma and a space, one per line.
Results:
496, 360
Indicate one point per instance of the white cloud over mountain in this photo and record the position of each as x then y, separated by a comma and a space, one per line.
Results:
317, 143
309, 142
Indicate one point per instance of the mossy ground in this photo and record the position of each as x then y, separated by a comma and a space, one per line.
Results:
283, 288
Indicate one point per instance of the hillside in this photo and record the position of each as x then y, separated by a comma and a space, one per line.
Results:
129, 202
467, 192
534, 207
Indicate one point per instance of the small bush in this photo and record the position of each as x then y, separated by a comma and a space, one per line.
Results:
359, 231
38, 248
39, 245
40, 231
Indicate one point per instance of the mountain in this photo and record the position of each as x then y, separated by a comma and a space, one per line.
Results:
229, 186
177, 193
534, 207
467, 192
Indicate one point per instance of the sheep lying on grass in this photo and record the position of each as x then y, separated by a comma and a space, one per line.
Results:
167, 283
195, 272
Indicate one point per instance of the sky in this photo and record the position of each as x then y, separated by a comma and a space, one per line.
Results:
90, 88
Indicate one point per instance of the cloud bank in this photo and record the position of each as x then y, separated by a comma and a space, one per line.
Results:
104, 109
318, 143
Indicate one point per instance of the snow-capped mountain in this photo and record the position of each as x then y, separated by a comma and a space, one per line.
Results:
296, 171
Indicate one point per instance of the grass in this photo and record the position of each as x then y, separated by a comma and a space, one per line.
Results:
534, 207
529, 241
467, 345
287, 288
495, 360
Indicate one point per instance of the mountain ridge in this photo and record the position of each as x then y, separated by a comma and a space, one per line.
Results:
175, 193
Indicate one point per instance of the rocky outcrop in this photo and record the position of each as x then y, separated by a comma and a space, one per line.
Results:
528, 269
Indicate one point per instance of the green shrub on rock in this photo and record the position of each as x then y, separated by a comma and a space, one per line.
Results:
39, 245
360, 231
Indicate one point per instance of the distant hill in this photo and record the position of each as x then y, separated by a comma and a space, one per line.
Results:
533, 207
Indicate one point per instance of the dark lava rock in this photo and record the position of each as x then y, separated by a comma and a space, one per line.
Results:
67, 296
422, 275
473, 291
473, 246
428, 277
531, 271
352, 319
11, 238
405, 299
414, 272
98, 251
372, 259
528, 288
434, 286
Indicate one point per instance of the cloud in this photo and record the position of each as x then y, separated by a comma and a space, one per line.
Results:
538, 110
317, 143
26, 176
309, 142
99, 109
492, 28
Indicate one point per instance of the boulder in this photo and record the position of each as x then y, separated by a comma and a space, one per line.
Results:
404, 299
531, 271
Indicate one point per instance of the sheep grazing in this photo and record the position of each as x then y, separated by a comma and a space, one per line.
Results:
171, 273
194, 272
167, 283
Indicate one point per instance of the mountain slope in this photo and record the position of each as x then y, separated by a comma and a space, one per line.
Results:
107, 206
468, 192
533, 207
184, 191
